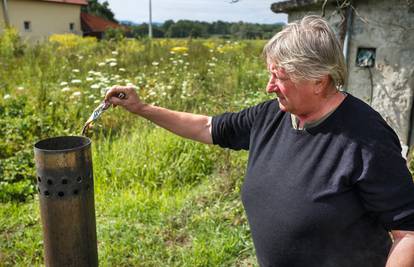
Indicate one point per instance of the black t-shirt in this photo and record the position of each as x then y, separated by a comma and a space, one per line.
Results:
324, 196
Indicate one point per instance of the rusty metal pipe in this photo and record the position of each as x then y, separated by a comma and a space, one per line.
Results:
65, 187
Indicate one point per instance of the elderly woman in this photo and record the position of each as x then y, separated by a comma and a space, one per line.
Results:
325, 183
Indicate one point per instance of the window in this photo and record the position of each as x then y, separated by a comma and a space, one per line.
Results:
366, 57
72, 27
27, 26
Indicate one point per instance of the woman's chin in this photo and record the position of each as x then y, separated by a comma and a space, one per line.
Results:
282, 107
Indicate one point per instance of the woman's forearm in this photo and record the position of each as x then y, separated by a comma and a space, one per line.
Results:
402, 251
188, 125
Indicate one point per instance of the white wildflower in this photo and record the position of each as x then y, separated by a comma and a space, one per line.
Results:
104, 80
75, 70
6, 96
112, 64
76, 94
101, 64
122, 69
76, 81
95, 86
115, 53
155, 63
97, 101
89, 79
20, 88
65, 89
63, 83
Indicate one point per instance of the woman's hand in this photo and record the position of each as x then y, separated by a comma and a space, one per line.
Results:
130, 101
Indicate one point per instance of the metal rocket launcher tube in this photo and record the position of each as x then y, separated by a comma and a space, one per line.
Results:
66, 196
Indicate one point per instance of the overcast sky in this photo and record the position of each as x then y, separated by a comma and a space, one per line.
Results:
203, 10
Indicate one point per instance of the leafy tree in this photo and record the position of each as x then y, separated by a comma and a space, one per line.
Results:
100, 10
142, 31
196, 29
167, 24
114, 34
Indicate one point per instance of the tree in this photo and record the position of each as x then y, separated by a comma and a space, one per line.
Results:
100, 10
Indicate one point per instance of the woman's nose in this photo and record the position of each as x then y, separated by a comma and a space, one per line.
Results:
271, 86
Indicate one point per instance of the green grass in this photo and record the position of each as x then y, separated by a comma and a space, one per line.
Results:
180, 220
160, 200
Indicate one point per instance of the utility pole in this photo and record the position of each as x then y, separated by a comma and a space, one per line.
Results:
150, 21
6, 13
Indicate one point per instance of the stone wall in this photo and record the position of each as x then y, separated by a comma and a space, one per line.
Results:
388, 27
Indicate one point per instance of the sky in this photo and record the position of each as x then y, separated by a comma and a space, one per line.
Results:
257, 11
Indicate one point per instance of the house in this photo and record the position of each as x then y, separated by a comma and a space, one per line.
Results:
96, 26
38, 19
378, 44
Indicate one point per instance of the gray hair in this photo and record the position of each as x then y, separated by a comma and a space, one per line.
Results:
308, 50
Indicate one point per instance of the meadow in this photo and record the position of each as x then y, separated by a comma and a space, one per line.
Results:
160, 200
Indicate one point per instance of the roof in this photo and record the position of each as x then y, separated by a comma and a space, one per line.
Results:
91, 23
71, 2
294, 5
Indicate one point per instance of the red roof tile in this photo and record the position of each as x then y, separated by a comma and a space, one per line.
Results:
91, 23
72, 2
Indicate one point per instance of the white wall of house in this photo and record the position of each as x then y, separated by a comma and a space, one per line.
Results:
36, 20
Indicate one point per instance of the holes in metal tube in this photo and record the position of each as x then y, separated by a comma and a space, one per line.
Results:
49, 182
79, 179
76, 191
64, 181
39, 179
38, 189
47, 193
61, 194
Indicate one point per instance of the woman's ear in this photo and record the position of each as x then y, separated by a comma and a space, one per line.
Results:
321, 85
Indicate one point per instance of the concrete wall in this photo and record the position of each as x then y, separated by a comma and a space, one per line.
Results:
1, 16
46, 18
387, 26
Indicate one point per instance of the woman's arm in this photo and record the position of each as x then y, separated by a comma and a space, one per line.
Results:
402, 251
188, 125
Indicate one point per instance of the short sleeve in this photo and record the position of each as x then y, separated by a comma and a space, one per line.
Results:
386, 187
232, 130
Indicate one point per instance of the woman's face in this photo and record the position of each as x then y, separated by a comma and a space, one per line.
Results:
293, 97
